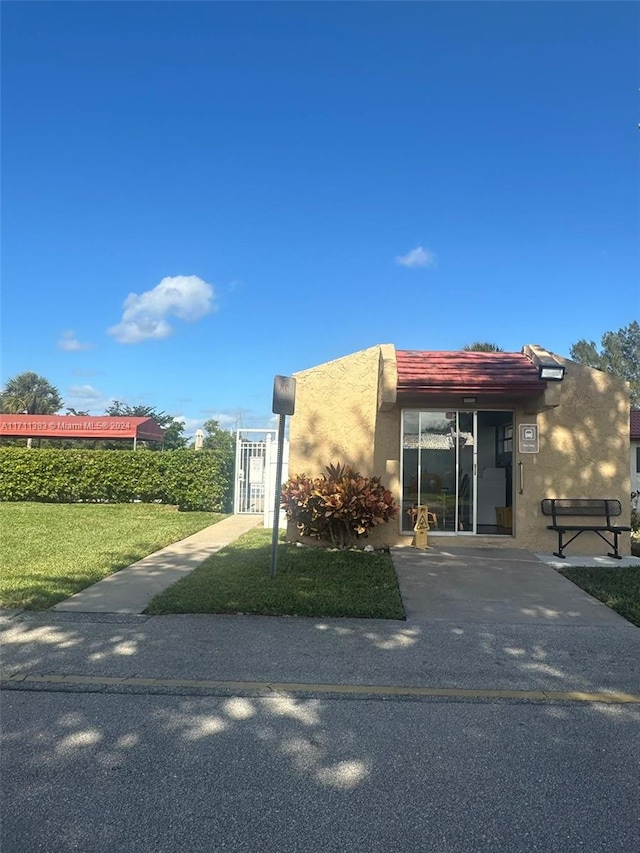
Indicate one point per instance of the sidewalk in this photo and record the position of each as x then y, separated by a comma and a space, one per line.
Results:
481, 622
130, 590
496, 586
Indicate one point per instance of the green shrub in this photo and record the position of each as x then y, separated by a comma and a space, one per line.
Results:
338, 506
190, 480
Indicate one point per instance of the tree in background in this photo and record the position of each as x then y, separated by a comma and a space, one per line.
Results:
173, 438
30, 394
216, 438
619, 355
479, 346
223, 443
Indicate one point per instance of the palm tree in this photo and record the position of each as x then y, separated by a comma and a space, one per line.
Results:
30, 394
479, 346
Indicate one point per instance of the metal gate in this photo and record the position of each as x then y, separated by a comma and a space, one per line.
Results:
251, 452
271, 461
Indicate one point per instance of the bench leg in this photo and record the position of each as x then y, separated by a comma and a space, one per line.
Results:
559, 553
614, 544
615, 554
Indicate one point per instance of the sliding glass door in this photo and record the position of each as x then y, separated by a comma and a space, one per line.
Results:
459, 465
438, 459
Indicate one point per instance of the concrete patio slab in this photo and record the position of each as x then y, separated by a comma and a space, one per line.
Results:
588, 562
496, 585
130, 590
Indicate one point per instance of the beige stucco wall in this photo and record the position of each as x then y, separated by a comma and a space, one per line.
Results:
335, 416
346, 412
584, 452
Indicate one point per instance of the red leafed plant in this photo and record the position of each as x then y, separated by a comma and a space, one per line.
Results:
338, 506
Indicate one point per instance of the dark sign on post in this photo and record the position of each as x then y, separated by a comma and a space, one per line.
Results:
284, 395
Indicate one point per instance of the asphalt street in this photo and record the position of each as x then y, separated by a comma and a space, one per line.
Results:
343, 651
133, 772
502, 715
94, 766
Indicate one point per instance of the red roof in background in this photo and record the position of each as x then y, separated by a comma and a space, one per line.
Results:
459, 372
80, 426
634, 426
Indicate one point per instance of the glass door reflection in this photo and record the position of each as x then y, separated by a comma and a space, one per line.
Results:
437, 469
429, 467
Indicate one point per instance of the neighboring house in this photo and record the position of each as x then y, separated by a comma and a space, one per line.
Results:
634, 432
480, 438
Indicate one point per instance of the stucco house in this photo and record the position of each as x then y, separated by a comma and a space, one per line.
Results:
480, 438
634, 434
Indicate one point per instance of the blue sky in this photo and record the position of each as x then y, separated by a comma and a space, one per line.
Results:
199, 196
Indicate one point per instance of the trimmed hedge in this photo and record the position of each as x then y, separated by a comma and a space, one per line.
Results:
188, 479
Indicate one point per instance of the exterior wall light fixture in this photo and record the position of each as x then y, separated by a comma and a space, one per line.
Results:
469, 399
549, 370
551, 373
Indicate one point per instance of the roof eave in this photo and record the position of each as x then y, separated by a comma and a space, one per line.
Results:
501, 391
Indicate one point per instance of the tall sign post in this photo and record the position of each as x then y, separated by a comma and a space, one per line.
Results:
284, 403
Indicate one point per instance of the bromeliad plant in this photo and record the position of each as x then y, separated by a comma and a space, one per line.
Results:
339, 506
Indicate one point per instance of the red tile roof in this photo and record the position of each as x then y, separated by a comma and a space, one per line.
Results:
460, 372
635, 424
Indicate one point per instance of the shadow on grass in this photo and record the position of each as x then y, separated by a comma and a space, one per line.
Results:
309, 582
38, 591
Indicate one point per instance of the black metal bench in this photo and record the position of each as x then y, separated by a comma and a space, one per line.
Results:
602, 508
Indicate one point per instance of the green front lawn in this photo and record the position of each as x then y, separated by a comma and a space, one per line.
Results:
50, 551
309, 582
617, 588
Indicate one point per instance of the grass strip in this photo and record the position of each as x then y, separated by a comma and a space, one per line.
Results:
51, 551
309, 582
618, 588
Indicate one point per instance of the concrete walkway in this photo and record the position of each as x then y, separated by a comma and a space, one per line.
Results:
492, 585
464, 585
130, 590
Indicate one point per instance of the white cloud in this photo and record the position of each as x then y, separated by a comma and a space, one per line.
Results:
225, 420
228, 419
190, 424
241, 418
418, 257
144, 317
86, 398
69, 343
